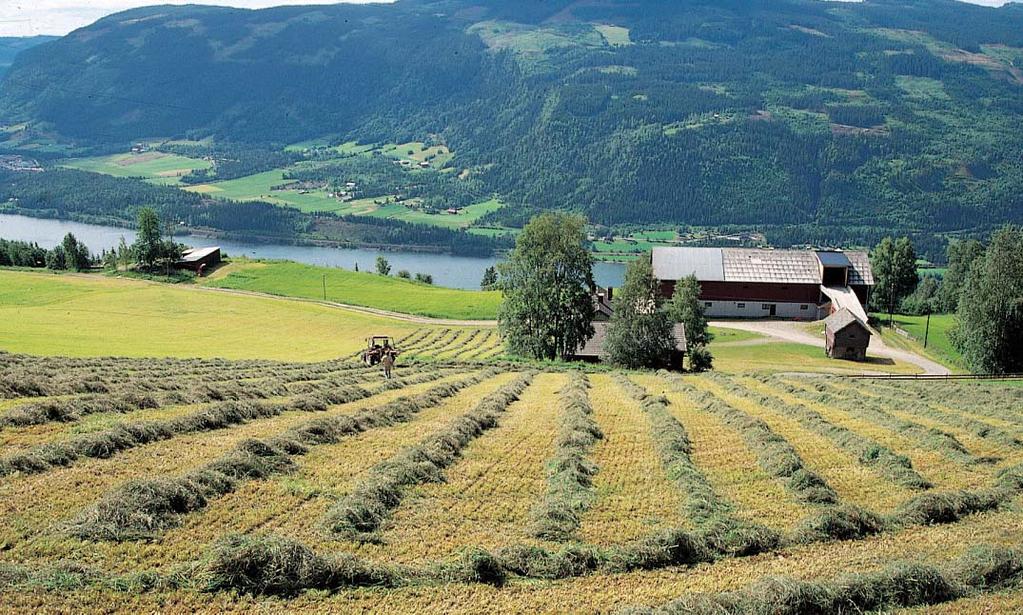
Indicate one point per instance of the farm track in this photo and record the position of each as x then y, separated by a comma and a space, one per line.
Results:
713, 450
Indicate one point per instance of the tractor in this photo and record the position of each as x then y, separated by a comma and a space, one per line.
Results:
376, 347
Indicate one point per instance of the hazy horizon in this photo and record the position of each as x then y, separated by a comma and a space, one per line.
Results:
58, 17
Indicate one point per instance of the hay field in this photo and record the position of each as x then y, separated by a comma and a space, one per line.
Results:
212, 485
92, 315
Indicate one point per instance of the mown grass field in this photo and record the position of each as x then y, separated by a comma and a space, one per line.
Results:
390, 293
209, 485
93, 315
153, 166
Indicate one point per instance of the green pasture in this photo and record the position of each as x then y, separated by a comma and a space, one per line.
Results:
355, 288
155, 167
258, 188
616, 36
939, 344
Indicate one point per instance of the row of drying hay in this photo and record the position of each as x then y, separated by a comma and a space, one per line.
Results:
982, 569
867, 451
931, 438
143, 508
958, 416
570, 471
712, 515
359, 514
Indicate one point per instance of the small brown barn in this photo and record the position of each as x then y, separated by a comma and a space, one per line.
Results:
847, 337
199, 259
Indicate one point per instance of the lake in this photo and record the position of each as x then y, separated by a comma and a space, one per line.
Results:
447, 270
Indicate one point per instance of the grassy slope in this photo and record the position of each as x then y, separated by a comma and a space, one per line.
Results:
43, 313
365, 289
939, 345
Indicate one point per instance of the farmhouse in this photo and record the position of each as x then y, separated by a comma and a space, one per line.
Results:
593, 349
760, 283
199, 259
846, 336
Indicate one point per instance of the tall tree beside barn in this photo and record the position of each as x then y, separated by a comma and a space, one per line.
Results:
547, 280
895, 277
148, 242
685, 307
990, 329
961, 256
640, 332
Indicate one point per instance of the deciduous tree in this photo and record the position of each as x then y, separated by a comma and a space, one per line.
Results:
989, 333
640, 332
547, 280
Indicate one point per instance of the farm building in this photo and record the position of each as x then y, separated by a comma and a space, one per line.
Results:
593, 349
759, 283
846, 336
199, 259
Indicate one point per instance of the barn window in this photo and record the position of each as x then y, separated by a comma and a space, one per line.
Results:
707, 304
741, 306
764, 306
804, 307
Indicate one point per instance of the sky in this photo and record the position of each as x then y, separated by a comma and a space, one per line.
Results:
32, 17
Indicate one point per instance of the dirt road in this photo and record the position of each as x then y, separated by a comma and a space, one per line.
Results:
790, 331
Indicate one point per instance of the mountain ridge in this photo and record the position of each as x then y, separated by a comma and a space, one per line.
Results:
811, 120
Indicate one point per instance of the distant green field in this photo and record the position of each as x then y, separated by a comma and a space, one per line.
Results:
258, 188
364, 289
616, 36
939, 345
155, 167
464, 217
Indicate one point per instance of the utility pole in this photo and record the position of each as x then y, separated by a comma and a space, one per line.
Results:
927, 328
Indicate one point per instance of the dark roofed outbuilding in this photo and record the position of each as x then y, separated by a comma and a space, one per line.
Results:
846, 336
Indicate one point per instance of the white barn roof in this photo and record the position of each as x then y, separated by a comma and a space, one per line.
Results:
707, 264
758, 265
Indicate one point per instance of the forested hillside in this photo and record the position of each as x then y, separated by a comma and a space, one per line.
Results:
813, 121
11, 46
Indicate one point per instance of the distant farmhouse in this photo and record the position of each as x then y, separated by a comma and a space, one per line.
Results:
199, 260
759, 283
593, 350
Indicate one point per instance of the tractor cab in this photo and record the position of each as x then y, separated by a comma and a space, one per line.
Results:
377, 346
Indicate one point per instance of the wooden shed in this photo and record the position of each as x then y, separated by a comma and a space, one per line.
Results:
199, 259
847, 337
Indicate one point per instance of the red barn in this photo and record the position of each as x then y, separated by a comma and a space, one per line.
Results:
759, 283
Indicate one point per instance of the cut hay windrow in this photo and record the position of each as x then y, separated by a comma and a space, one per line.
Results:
900, 585
360, 513
428, 341
974, 426
484, 346
710, 514
570, 471
868, 452
928, 437
471, 344
774, 454
124, 436
142, 508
